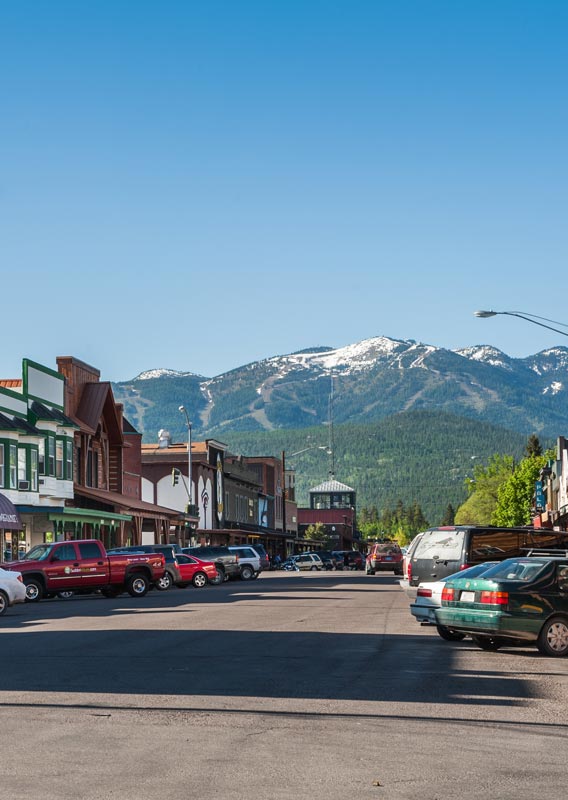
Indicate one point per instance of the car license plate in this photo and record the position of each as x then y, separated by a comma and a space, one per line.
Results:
388, 558
467, 597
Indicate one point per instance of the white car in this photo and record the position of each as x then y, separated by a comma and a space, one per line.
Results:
12, 589
429, 597
249, 560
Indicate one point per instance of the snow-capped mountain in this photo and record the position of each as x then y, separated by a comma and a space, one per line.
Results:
371, 379
150, 374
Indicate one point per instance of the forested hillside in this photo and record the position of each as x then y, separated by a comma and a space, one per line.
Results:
414, 456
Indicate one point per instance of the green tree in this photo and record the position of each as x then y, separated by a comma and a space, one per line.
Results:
515, 496
416, 519
533, 446
316, 531
449, 515
483, 491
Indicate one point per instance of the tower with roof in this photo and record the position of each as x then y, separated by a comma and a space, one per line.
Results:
334, 505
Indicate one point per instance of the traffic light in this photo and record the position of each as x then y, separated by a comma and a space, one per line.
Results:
175, 476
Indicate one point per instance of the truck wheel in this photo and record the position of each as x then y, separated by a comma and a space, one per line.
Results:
34, 590
4, 602
199, 580
246, 573
137, 585
553, 638
165, 582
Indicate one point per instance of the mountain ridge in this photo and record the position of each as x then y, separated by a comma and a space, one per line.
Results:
372, 379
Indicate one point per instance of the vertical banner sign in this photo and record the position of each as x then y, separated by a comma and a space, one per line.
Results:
540, 501
220, 489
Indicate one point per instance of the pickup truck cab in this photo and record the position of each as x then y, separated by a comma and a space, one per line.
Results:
84, 565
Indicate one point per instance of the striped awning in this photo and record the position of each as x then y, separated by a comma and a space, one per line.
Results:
9, 517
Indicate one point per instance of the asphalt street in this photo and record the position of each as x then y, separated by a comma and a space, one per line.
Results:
317, 685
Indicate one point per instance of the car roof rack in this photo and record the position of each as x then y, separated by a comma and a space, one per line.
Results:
533, 551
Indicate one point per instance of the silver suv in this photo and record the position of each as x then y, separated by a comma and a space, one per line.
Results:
250, 562
309, 561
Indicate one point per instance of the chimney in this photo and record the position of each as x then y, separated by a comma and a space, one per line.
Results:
164, 439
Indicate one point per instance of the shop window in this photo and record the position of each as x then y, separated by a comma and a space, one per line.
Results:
58, 458
69, 461
41, 456
34, 469
1, 466
13, 466
22, 471
51, 455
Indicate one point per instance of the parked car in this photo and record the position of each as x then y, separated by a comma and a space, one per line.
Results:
172, 575
518, 601
443, 551
329, 560
407, 559
249, 561
84, 564
227, 563
193, 570
428, 598
349, 559
264, 557
384, 556
12, 589
308, 561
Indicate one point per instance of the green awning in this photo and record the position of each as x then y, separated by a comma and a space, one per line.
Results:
91, 515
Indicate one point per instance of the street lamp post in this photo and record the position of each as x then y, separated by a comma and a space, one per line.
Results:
526, 316
189, 481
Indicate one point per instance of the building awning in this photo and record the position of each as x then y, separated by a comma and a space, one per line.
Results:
9, 517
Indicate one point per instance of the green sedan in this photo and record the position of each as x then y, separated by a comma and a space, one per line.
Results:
518, 601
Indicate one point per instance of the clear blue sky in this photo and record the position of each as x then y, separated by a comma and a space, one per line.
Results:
199, 185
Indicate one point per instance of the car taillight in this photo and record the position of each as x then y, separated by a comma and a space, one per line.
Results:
494, 598
176, 564
424, 592
19, 578
409, 571
237, 558
465, 566
448, 594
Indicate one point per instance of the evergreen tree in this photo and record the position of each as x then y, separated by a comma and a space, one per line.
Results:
533, 446
449, 516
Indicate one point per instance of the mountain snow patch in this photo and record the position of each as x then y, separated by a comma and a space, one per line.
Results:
554, 388
162, 373
486, 354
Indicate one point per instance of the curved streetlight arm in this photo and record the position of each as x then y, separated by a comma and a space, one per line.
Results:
523, 315
183, 410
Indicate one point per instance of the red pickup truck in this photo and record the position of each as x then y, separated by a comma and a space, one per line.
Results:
83, 565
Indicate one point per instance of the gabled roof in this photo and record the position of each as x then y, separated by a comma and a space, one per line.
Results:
97, 400
127, 427
332, 486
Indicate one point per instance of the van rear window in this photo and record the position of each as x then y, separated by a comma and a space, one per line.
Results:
444, 545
